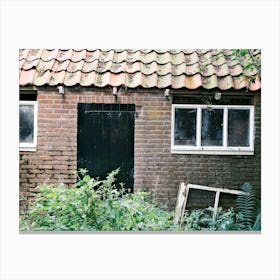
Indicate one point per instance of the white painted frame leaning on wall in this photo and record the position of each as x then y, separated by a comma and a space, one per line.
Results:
183, 193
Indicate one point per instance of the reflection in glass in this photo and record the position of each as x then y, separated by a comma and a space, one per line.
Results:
238, 127
212, 127
26, 123
185, 127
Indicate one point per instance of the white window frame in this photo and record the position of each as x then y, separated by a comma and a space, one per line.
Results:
217, 150
30, 146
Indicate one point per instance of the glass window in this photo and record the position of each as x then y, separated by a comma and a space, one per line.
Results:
185, 127
215, 129
212, 127
27, 124
238, 127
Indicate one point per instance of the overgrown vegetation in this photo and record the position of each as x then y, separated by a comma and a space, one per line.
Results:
249, 208
97, 205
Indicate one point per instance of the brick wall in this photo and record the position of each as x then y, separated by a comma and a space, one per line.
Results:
155, 167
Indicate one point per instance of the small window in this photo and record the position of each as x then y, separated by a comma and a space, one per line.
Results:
212, 129
238, 128
185, 127
28, 125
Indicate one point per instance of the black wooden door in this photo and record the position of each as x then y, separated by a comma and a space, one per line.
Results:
106, 140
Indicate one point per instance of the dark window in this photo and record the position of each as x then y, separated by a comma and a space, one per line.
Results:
26, 134
238, 128
212, 127
185, 127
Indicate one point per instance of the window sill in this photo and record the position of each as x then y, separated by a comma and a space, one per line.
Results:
27, 149
213, 151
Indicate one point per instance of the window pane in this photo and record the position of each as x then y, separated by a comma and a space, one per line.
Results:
185, 127
212, 127
238, 128
26, 126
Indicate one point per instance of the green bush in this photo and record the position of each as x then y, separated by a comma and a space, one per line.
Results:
249, 208
97, 205
84, 208
203, 219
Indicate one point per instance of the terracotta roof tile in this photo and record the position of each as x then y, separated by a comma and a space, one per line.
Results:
218, 59
57, 78
48, 55
118, 79
192, 69
89, 66
134, 80
133, 56
225, 82
118, 67
75, 66
29, 64
210, 82
239, 82
23, 53
78, 55
120, 57
222, 70
34, 54
147, 58
189, 51
178, 81
92, 55
72, 78
64, 55
45, 65
193, 82
27, 77
149, 81
202, 51
163, 51
204, 59
136, 67
235, 70
207, 70
87, 79
41, 78
255, 85
60, 65
161, 68
164, 81
106, 55
192, 58
21, 63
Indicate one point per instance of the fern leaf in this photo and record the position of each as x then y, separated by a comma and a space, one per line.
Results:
246, 205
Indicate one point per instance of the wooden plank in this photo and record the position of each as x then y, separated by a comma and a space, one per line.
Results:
183, 193
217, 197
181, 203
213, 189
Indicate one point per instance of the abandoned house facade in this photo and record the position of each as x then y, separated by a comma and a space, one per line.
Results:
162, 116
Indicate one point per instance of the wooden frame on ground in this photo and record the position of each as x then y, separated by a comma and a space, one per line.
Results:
183, 193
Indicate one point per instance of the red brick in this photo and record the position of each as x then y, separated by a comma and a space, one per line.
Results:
155, 167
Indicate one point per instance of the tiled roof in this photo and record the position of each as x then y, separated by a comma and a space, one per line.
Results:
179, 68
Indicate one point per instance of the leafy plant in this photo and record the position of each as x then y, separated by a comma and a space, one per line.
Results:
83, 207
202, 219
249, 208
98, 205
248, 60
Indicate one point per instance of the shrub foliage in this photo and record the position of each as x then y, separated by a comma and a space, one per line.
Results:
97, 205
